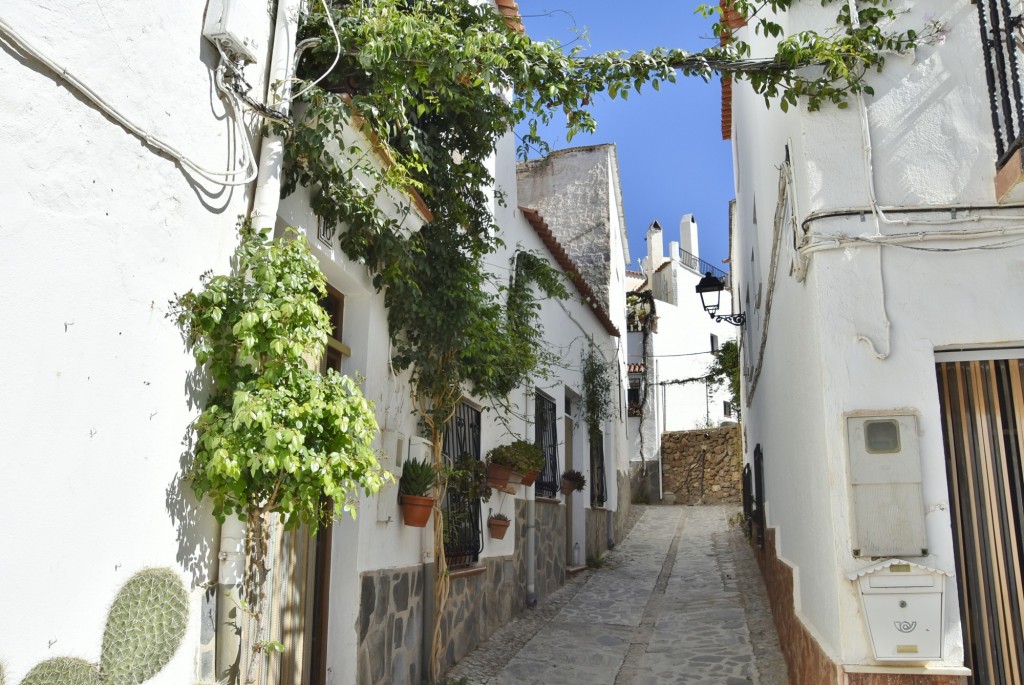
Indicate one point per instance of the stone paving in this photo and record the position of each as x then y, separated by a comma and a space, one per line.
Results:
675, 602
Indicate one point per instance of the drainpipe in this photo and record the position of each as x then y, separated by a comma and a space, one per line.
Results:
266, 198
531, 519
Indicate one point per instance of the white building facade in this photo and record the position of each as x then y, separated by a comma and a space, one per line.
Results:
876, 256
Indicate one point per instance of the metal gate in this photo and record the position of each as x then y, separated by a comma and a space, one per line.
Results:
983, 426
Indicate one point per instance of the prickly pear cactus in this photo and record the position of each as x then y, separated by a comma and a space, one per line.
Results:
63, 670
145, 627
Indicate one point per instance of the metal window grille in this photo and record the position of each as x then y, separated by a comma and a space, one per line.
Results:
598, 489
463, 540
748, 499
547, 437
1002, 70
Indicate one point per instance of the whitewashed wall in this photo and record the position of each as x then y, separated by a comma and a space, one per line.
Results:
932, 140
99, 232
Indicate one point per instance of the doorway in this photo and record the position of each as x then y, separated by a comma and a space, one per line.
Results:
982, 403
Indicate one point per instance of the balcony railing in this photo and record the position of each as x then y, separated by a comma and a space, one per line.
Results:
1002, 70
695, 263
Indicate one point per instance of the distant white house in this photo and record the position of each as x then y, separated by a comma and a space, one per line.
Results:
877, 256
672, 342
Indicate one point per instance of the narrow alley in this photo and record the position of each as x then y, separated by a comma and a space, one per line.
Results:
678, 601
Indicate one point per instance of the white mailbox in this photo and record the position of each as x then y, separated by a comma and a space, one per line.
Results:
903, 604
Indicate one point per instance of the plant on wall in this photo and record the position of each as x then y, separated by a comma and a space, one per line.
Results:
597, 389
725, 368
275, 435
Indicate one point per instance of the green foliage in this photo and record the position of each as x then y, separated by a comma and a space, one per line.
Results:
63, 670
520, 456
275, 435
574, 478
498, 517
842, 56
468, 477
726, 369
145, 627
418, 478
596, 561
597, 388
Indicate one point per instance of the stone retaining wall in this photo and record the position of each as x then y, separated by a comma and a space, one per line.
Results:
703, 466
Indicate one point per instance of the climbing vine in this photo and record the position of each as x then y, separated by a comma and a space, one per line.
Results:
597, 389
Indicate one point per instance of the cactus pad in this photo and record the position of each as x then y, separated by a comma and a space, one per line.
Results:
63, 670
145, 627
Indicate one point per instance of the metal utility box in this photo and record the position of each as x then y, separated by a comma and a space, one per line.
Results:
235, 26
903, 605
885, 475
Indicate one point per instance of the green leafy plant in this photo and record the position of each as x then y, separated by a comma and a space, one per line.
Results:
725, 368
275, 436
574, 480
520, 456
418, 478
144, 629
498, 517
597, 388
468, 477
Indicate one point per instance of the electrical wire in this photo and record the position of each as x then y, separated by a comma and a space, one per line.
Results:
23, 46
337, 53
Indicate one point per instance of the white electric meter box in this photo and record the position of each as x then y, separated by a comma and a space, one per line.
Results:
886, 499
236, 26
393, 448
903, 605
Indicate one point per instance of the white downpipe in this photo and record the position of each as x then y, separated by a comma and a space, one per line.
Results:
266, 198
268, 183
230, 576
531, 519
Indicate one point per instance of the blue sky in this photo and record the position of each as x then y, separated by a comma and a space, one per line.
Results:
672, 157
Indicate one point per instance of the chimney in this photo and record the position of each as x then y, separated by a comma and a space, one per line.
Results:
655, 246
688, 234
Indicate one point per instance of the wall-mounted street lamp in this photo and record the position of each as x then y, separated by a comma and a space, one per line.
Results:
710, 290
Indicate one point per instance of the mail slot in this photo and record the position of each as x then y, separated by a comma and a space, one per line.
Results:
903, 606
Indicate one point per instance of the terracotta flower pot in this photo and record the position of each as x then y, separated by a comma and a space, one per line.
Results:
497, 475
568, 487
416, 510
530, 478
498, 528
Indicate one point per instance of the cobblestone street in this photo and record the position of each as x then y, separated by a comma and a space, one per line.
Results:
680, 600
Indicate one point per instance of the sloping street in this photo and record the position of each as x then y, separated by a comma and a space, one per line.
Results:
679, 601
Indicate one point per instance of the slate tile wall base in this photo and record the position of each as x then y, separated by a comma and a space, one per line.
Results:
625, 501
807, 661
703, 466
390, 628
597, 533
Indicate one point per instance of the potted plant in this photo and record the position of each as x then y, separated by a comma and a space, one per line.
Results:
498, 525
414, 492
523, 459
572, 480
499, 466
468, 477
